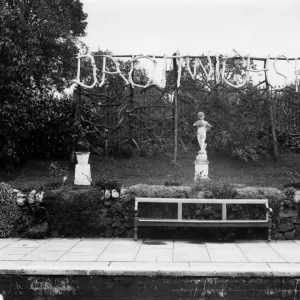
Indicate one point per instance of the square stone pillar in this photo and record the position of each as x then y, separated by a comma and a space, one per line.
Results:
83, 169
201, 166
83, 174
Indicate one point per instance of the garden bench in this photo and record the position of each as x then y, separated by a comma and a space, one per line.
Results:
224, 222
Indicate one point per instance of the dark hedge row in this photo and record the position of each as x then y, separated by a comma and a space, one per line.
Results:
40, 126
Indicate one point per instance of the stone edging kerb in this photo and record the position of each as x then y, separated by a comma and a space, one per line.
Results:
270, 270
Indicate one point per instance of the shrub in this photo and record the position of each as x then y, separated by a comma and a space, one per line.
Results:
241, 128
9, 211
56, 170
38, 231
225, 191
274, 196
144, 190
47, 132
289, 194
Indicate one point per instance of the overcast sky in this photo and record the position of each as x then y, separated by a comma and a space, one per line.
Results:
255, 27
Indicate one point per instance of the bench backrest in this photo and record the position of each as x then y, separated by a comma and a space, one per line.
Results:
224, 203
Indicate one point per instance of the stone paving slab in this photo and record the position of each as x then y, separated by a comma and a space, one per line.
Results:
30, 243
155, 255
288, 251
16, 250
4, 257
260, 252
117, 256
79, 257
86, 250
49, 248
191, 254
119, 253
43, 255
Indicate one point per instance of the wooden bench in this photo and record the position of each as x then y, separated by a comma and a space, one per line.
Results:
179, 222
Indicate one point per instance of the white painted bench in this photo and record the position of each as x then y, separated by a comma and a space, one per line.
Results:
179, 222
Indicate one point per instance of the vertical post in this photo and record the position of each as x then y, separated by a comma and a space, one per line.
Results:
129, 108
175, 125
217, 99
79, 103
269, 225
179, 217
271, 112
224, 211
106, 143
135, 230
175, 110
77, 118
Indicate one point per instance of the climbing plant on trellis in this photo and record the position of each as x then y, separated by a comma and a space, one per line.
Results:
129, 117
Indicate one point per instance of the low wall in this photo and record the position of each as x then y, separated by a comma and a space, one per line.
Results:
286, 224
14, 287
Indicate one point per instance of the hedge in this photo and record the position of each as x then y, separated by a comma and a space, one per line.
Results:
9, 212
83, 213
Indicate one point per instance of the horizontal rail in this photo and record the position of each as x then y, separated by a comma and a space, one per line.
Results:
200, 201
199, 56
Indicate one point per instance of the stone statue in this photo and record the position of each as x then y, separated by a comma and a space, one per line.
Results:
202, 127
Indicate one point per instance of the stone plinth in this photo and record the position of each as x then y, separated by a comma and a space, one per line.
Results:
201, 166
83, 174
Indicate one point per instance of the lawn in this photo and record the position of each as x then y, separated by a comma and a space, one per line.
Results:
159, 169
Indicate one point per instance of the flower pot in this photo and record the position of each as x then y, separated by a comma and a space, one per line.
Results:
82, 157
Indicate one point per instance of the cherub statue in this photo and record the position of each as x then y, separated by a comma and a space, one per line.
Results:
202, 127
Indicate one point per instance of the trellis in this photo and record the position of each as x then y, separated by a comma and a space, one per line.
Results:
129, 113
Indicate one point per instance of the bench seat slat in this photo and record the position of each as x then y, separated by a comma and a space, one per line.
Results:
199, 221
201, 201
202, 223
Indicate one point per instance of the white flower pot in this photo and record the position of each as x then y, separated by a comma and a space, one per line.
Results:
82, 157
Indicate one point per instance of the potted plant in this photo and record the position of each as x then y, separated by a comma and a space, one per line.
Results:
82, 151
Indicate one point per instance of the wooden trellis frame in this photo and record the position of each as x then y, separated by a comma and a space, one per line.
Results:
178, 60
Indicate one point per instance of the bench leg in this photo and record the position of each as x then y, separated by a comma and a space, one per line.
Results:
270, 228
135, 230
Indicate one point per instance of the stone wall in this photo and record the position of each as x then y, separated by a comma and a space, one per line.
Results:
286, 224
86, 213
15, 287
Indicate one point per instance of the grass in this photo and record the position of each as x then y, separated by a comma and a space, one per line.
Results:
159, 169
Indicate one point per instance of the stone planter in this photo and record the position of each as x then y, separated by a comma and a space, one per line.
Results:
82, 157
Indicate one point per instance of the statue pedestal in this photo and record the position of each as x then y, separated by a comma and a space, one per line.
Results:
201, 166
83, 174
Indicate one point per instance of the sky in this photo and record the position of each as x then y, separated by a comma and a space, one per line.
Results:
255, 27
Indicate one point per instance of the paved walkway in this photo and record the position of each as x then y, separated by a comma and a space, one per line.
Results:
116, 256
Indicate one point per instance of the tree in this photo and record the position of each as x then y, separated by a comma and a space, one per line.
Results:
38, 43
